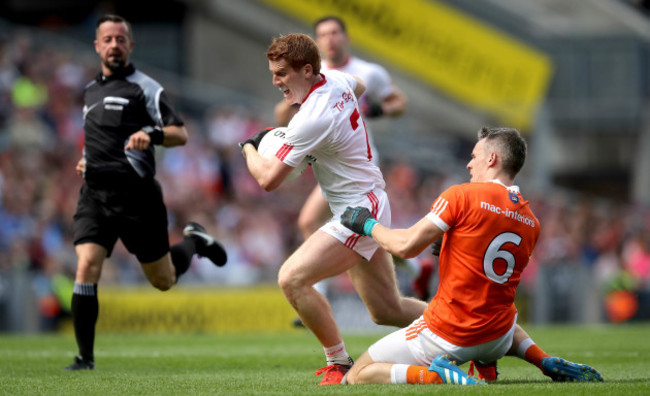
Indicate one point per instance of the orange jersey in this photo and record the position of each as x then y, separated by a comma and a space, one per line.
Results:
490, 233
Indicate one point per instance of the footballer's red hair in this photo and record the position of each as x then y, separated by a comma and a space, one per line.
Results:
297, 50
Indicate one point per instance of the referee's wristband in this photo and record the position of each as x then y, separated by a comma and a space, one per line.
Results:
368, 226
156, 134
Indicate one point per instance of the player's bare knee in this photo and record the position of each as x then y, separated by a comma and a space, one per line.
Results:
291, 284
284, 279
307, 226
383, 316
357, 375
287, 284
88, 271
351, 378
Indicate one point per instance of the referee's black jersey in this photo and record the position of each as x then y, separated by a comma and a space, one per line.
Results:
115, 107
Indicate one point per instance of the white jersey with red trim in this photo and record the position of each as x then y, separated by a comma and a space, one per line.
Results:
329, 129
376, 78
378, 86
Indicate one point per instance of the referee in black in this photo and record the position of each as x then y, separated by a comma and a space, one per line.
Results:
126, 113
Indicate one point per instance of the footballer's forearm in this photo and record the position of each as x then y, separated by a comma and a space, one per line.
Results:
394, 104
268, 172
406, 243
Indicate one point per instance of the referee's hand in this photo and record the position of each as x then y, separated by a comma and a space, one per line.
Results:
138, 141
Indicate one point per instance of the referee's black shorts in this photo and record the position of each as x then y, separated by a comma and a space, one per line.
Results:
137, 216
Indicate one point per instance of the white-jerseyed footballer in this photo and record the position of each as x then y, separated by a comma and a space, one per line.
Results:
329, 128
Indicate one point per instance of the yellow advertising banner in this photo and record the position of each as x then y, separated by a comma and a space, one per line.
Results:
182, 310
449, 50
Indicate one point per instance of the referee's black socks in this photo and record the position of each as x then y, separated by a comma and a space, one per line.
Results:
182, 253
85, 309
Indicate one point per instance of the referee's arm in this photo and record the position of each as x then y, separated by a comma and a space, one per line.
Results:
175, 135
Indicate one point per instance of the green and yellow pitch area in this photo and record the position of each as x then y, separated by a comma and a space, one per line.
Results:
283, 363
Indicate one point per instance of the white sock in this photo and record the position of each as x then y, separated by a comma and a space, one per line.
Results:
337, 354
523, 347
398, 373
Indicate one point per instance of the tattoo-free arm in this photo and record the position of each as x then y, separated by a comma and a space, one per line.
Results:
394, 104
407, 242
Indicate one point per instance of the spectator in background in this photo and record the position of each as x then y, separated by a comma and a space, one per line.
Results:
637, 254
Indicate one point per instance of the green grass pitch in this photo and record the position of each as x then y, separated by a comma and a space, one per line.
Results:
284, 364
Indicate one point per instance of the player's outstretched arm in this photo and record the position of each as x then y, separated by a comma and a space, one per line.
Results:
409, 242
404, 243
394, 105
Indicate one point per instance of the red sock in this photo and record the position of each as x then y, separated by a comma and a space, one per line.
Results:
534, 355
422, 375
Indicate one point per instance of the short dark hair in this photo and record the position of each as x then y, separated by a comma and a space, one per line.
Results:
117, 19
510, 144
328, 18
297, 50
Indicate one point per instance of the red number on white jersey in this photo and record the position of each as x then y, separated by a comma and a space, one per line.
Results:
354, 121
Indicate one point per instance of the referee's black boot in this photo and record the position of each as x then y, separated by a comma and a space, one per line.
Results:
206, 245
81, 364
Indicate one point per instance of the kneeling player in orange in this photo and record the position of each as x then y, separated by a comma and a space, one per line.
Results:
489, 234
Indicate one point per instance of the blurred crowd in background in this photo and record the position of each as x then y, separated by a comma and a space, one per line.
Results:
41, 138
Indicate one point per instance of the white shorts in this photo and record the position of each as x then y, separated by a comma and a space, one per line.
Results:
377, 203
420, 348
